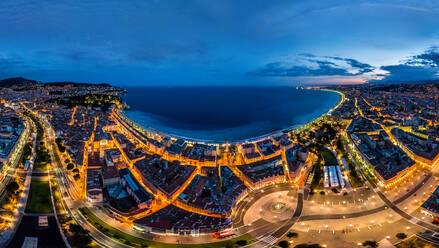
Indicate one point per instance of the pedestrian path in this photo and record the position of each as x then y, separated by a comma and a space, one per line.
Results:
8, 233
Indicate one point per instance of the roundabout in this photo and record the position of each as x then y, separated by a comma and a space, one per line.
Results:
272, 207
278, 207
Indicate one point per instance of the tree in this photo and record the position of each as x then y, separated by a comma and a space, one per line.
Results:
223, 188
370, 244
81, 240
205, 192
27, 151
241, 242
70, 166
66, 161
75, 228
283, 244
12, 187
308, 246
77, 177
292, 235
75, 170
401, 235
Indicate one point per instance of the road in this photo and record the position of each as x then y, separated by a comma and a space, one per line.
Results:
241, 208
47, 237
391, 204
12, 173
270, 238
70, 204
17, 151
267, 233
403, 214
371, 211
395, 208
27, 225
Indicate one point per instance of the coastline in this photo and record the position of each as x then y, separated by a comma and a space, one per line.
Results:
144, 129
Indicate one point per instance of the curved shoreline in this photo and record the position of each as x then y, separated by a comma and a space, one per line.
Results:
143, 128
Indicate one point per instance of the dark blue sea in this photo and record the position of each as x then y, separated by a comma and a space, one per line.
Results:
218, 114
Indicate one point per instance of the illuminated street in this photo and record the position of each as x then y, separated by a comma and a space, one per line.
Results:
220, 124
271, 187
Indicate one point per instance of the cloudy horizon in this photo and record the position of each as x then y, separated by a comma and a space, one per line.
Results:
220, 43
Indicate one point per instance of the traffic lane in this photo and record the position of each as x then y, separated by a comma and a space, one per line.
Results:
412, 191
285, 226
99, 237
343, 216
47, 237
281, 231
244, 205
371, 211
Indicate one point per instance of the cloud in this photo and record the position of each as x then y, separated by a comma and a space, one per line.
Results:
153, 53
404, 72
424, 66
198, 41
427, 58
7, 63
362, 67
140, 53
308, 55
67, 53
12, 63
400, 6
314, 66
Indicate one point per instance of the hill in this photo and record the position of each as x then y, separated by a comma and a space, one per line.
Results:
76, 84
20, 81
17, 81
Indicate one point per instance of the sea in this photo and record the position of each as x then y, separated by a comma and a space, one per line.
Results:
220, 114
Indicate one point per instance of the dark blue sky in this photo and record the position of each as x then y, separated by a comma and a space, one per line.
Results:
219, 42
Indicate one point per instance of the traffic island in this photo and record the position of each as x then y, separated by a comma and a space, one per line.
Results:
130, 240
39, 200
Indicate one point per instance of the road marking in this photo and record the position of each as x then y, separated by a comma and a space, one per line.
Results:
269, 240
414, 220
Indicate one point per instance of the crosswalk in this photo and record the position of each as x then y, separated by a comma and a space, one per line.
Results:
269, 239
414, 220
